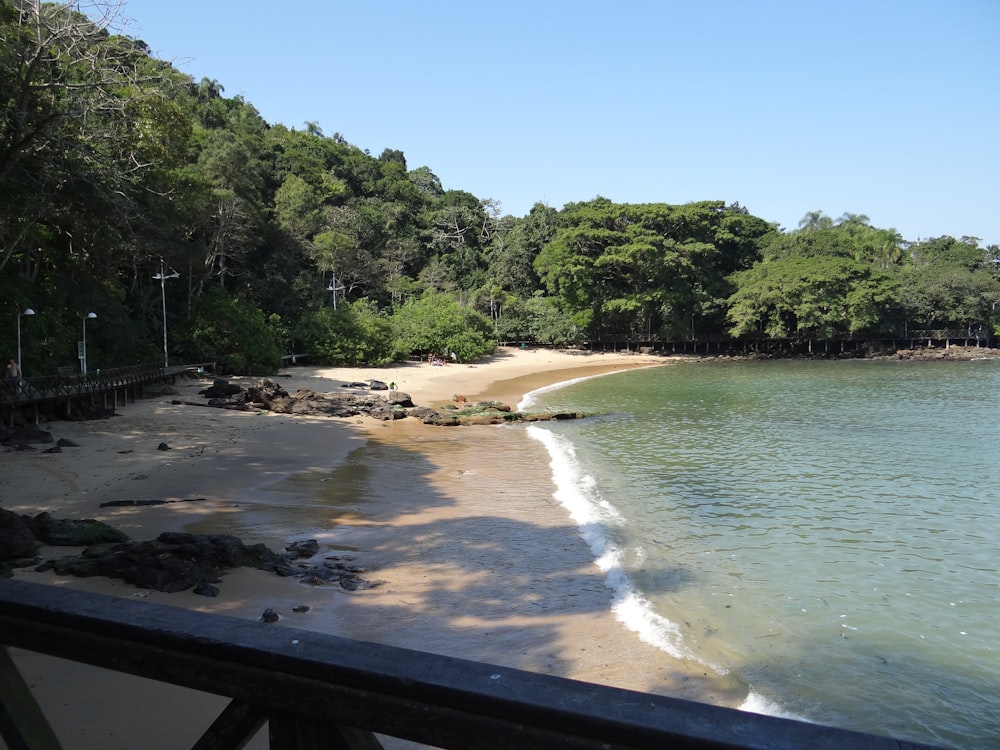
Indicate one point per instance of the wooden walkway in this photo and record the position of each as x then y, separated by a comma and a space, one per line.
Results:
108, 386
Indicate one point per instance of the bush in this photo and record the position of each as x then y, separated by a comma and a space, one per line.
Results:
352, 334
233, 333
437, 322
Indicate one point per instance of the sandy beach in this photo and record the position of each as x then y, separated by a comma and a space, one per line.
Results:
472, 555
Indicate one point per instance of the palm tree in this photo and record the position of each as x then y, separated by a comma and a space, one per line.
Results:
815, 220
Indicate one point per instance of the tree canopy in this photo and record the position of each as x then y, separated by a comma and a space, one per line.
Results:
290, 240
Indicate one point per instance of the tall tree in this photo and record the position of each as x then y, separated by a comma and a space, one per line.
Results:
65, 86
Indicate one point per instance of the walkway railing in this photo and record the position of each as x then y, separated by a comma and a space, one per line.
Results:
56, 387
320, 691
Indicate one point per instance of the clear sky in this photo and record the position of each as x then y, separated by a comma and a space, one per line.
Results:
887, 108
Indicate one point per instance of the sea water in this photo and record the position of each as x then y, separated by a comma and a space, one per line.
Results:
829, 531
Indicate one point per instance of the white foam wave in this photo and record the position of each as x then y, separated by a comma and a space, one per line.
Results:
529, 399
756, 703
596, 518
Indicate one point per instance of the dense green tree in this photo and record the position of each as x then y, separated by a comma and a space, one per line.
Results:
950, 284
807, 297
826, 280
231, 332
436, 323
351, 334
111, 160
647, 270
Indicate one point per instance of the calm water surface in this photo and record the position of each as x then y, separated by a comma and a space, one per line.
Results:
827, 531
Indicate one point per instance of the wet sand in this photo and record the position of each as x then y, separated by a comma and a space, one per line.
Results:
473, 556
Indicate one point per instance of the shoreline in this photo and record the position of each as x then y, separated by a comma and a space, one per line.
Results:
474, 556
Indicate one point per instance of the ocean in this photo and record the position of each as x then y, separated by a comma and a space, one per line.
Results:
826, 531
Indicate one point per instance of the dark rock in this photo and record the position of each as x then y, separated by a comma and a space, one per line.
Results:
398, 398
206, 589
163, 447
67, 443
17, 540
171, 562
300, 608
53, 449
306, 548
221, 388
270, 616
391, 406
59, 532
23, 435
422, 412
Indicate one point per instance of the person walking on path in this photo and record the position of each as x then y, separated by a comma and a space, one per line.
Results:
13, 375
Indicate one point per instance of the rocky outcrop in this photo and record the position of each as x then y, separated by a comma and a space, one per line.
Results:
386, 405
18, 545
60, 532
23, 437
951, 353
171, 562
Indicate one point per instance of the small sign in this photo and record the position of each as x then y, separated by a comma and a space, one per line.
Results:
81, 350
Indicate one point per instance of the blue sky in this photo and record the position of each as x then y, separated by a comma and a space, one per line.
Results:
884, 108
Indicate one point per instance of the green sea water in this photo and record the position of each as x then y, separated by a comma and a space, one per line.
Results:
827, 531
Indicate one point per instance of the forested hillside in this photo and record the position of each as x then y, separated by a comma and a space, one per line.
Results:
128, 189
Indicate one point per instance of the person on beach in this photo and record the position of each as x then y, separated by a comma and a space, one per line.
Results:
13, 374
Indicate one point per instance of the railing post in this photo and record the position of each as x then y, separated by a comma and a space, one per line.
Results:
22, 723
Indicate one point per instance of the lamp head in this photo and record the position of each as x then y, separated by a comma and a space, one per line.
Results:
28, 311
91, 315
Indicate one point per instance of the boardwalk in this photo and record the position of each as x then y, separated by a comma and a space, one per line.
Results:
108, 386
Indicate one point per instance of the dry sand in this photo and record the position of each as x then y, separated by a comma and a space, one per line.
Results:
473, 556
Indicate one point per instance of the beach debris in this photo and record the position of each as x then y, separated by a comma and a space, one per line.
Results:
137, 503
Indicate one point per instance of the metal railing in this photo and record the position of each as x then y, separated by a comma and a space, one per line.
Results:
68, 386
320, 691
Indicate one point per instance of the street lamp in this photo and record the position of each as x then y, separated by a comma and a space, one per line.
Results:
20, 364
83, 347
335, 286
162, 276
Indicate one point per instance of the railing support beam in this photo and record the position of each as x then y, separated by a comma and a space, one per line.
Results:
23, 725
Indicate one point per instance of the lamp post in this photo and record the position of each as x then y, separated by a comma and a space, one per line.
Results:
83, 347
162, 276
20, 314
335, 287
